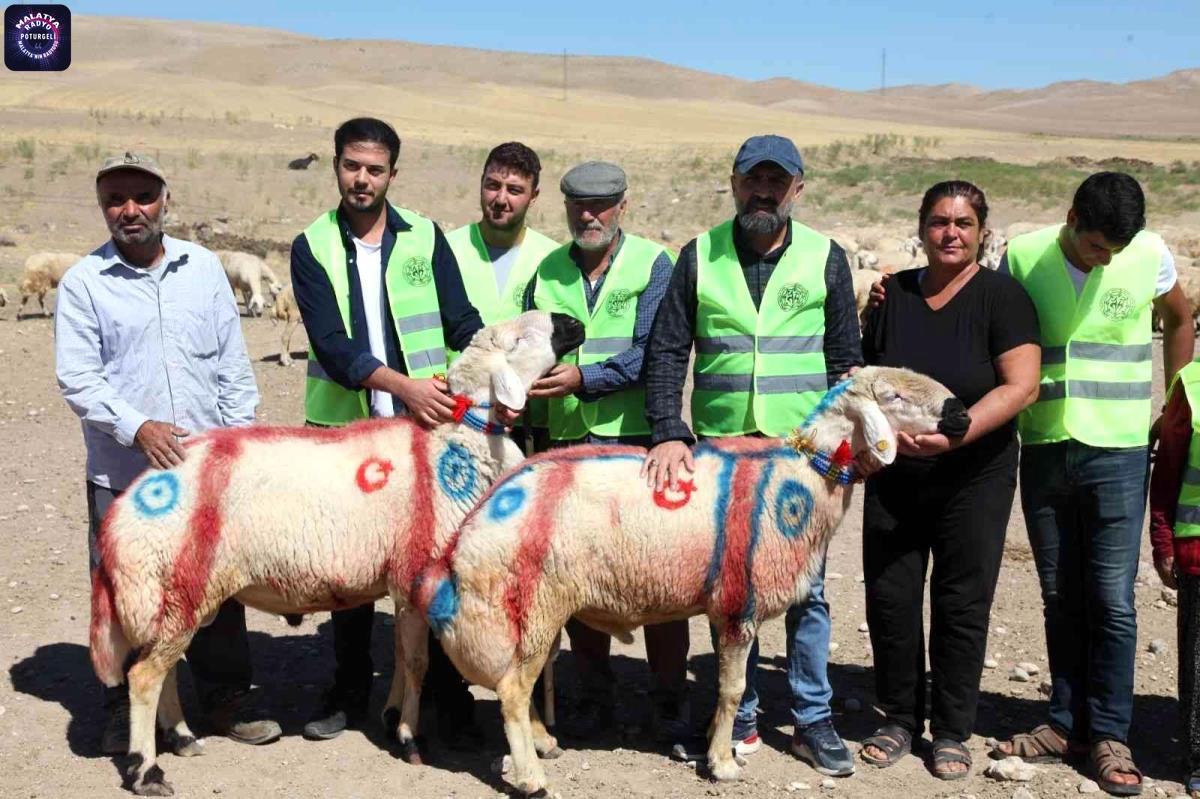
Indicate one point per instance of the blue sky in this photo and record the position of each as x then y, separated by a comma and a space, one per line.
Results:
1019, 44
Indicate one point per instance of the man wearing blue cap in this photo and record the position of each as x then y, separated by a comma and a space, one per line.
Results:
769, 305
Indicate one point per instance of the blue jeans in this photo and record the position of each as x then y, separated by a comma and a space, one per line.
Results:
808, 630
1084, 508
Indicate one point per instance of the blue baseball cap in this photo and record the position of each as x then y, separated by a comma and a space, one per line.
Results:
776, 149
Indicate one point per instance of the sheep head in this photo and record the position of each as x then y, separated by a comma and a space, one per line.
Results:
871, 407
504, 359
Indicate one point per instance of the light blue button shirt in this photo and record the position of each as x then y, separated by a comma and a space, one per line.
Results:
162, 344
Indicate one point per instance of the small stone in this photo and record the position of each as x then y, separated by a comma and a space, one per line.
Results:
690, 764
1157, 647
665, 235
1001, 630
833, 576
1088, 786
1170, 597
48, 507
1158, 603
853, 705
991, 663
54, 597
828, 784
13, 584
22, 508
585, 766
1019, 675
1031, 669
833, 646
792, 787
17, 610
1045, 688
3, 710
862, 628
1010, 769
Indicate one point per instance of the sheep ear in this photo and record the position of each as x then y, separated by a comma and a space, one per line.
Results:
876, 431
507, 387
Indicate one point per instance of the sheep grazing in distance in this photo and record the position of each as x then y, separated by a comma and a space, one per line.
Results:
287, 311
43, 272
3, 298
576, 532
299, 520
863, 280
246, 273
865, 259
302, 163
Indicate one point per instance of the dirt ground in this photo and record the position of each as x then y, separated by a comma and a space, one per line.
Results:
50, 713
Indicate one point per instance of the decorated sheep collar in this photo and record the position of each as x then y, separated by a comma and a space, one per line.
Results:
463, 414
837, 466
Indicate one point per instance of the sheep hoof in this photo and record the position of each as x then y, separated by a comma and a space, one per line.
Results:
725, 770
152, 782
553, 753
533, 790
410, 753
184, 745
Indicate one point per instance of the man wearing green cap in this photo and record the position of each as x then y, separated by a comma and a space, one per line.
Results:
149, 351
498, 254
769, 305
612, 281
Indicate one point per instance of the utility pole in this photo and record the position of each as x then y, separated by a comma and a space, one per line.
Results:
883, 72
564, 75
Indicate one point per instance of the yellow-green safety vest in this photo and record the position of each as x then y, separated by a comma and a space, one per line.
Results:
412, 299
495, 303
758, 369
1096, 346
609, 329
1187, 510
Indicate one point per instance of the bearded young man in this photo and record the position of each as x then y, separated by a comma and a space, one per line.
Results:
769, 305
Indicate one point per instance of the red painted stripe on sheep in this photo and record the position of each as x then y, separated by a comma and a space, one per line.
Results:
419, 540
535, 544
190, 571
738, 520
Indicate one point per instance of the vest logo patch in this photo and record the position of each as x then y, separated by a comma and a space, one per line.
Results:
791, 296
418, 271
618, 302
518, 295
1116, 304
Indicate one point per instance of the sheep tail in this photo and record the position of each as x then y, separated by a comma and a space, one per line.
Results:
436, 596
109, 646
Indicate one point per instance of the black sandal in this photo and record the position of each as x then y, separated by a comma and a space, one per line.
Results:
946, 751
893, 740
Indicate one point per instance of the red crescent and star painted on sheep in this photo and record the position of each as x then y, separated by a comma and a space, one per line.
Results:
373, 474
676, 498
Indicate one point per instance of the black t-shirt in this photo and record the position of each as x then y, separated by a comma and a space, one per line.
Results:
958, 344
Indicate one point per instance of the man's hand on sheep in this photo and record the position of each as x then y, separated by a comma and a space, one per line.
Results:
562, 380
665, 464
160, 443
427, 399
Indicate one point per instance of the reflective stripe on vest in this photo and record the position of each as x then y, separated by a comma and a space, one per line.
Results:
412, 300
758, 369
499, 304
609, 329
1096, 346
1187, 509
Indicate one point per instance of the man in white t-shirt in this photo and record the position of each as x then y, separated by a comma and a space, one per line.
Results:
376, 356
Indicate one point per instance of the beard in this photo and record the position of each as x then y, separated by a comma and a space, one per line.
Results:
151, 231
759, 220
593, 244
371, 203
515, 221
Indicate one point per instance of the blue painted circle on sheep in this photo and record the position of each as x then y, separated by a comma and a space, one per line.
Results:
456, 473
793, 506
506, 502
157, 495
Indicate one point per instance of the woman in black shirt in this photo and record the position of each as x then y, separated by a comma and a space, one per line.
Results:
975, 331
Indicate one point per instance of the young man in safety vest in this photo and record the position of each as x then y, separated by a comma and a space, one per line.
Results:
1085, 456
498, 254
769, 305
381, 298
612, 281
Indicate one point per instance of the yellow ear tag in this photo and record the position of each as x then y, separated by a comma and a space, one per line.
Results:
881, 445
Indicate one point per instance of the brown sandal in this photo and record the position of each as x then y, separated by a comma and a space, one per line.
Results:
1113, 757
1043, 744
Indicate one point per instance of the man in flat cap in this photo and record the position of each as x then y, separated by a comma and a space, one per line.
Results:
149, 350
769, 305
612, 281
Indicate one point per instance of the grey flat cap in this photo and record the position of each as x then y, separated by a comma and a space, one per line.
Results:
593, 180
136, 161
